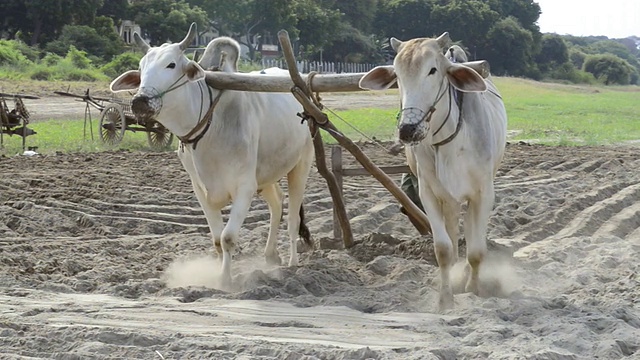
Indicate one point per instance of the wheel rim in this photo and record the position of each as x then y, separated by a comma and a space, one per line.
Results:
112, 125
159, 137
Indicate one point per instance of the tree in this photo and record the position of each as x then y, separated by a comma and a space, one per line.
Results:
527, 12
553, 52
99, 41
40, 21
609, 69
164, 20
317, 26
510, 49
359, 13
467, 21
414, 15
114, 9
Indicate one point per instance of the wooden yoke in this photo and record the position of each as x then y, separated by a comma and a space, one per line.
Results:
316, 118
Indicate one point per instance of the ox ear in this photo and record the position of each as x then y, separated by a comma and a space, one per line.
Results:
378, 78
395, 44
465, 78
194, 71
130, 80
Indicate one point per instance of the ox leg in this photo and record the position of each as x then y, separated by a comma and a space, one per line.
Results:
212, 212
297, 180
213, 215
239, 210
475, 229
452, 221
273, 196
442, 243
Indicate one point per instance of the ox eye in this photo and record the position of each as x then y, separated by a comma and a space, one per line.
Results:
432, 71
171, 66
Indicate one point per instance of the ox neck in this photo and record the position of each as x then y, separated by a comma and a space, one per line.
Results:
447, 119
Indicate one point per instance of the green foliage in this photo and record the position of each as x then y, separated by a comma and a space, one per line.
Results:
553, 52
163, 20
609, 69
87, 39
571, 74
577, 57
413, 14
468, 21
511, 48
121, 63
51, 59
78, 58
10, 54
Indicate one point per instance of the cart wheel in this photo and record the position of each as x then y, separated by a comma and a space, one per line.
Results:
112, 124
160, 138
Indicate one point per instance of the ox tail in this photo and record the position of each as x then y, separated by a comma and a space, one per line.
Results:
303, 231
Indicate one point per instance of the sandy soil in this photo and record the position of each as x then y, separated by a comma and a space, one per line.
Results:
107, 256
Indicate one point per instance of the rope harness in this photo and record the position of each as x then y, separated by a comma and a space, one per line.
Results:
413, 112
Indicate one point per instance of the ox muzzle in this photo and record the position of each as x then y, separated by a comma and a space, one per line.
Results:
146, 103
413, 124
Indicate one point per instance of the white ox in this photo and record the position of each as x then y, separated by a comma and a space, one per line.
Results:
233, 143
454, 122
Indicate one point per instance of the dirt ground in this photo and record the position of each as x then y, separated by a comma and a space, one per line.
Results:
107, 256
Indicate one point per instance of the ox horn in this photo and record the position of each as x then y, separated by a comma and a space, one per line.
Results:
395, 44
444, 40
189, 38
140, 42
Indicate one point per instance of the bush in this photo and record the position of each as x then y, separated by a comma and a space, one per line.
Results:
51, 59
568, 72
102, 44
11, 55
609, 69
78, 58
41, 73
121, 63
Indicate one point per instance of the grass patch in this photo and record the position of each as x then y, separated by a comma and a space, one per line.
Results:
68, 136
546, 113
556, 114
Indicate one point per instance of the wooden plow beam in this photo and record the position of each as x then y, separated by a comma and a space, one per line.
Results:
303, 89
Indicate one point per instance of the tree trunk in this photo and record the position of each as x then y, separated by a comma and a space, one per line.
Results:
37, 30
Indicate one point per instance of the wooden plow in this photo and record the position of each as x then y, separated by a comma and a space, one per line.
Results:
14, 121
303, 88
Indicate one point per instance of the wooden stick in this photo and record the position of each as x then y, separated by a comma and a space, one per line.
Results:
318, 144
319, 83
275, 83
323, 121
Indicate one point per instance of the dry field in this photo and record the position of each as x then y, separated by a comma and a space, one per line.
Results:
107, 256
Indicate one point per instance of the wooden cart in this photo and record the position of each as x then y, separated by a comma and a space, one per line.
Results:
14, 121
116, 117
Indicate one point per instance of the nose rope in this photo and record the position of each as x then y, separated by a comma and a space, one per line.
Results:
416, 111
171, 87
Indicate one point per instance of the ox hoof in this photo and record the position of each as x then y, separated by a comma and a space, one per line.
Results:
293, 261
273, 259
226, 283
445, 302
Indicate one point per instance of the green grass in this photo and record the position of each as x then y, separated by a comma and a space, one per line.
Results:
547, 113
68, 136
569, 114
